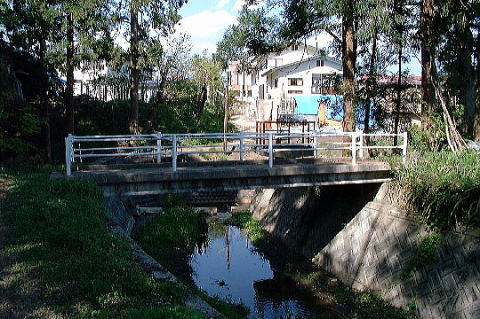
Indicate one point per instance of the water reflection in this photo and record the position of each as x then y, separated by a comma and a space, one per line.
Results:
228, 266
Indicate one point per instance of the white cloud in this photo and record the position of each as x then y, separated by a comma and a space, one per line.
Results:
322, 40
238, 5
221, 4
206, 28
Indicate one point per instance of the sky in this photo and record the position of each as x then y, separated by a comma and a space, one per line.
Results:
207, 20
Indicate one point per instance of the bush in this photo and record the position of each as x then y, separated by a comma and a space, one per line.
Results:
443, 188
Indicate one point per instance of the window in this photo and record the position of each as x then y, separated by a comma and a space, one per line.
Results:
275, 83
295, 47
320, 62
295, 92
295, 81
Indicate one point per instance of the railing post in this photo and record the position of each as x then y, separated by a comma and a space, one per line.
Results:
68, 154
174, 152
315, 141
360, 145
241, 146
159, 147
404, 148
270, 149
354, 148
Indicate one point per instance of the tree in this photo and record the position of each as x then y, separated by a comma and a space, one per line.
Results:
141, 19
166, 62
87, 27
30, 26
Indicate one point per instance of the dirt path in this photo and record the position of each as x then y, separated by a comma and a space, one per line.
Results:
7, 307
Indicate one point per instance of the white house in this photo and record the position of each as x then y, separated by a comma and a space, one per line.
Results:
273, 81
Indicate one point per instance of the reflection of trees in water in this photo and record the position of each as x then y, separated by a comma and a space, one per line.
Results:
216, 230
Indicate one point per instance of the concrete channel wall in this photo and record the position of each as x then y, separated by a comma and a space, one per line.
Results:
367, 242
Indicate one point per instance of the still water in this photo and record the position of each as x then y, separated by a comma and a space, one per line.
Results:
227, 265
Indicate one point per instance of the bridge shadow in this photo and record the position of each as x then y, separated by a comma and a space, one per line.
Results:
308, 218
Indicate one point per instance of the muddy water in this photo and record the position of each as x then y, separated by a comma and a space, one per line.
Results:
228, 265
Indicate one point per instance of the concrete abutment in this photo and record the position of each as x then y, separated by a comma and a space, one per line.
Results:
358, 233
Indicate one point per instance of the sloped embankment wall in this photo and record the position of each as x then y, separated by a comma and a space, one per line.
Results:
367, 242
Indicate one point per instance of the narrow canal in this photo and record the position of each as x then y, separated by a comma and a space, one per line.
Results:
227, 265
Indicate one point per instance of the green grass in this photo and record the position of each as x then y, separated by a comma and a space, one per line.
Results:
64, 259
443, 188
426, 253
250, 226
178, 227
370, 306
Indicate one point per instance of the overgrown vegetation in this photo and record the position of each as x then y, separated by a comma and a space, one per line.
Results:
443, 188
179, 227
62, 262
426, 253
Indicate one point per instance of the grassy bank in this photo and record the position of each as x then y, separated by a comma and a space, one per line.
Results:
442, 188
171, 237
356, 305
60, 261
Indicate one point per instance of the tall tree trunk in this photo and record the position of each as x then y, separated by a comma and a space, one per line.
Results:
476, 125
371, 82
70, 76
45, 105
428, 61
466, 72
134, 78
348, 60
398, 102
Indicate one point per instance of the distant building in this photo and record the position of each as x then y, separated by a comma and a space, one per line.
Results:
292, 80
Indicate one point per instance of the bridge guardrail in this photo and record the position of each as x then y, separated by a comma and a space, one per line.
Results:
159, 146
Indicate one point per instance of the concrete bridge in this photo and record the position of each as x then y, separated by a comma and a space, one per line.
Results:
238, 177
173, 163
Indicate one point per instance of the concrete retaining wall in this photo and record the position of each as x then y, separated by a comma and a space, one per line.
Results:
367, 247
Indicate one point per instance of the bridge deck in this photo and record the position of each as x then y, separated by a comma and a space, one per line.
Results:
234, 177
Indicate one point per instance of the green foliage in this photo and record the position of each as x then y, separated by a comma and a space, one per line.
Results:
371, 306
443, 188
428, 140
252, 227
163, 313
229, 308
426, 253
179, 226
65, 254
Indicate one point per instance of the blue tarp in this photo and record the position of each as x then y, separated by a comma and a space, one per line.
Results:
308, 104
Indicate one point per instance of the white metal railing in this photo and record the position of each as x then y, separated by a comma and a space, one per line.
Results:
159, 146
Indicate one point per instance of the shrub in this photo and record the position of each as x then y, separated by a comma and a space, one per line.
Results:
443, 188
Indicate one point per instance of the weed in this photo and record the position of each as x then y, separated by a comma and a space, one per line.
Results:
442, 188
252, 227
371, 306
426, 253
